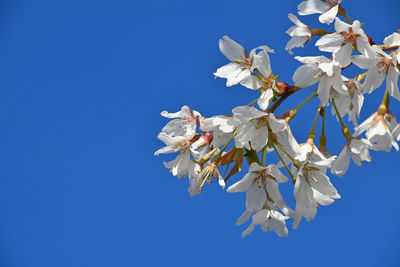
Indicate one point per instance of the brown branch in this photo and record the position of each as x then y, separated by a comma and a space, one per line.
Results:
291, 90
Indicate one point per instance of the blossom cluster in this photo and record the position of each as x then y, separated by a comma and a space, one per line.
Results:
205, 145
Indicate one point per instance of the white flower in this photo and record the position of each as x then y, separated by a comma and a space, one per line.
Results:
312, 186
183, 144
328, 9
184, 125
309, 152
268, 220
262, 193
253, 127
357, 150
352, 103
323, 70
222, 127
341, 42
300, 34
242, 63
260, 185
379, 130
379, 65
394, 40
266, 82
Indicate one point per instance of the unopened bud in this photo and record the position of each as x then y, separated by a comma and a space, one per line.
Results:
346, 133
382, 110
283, 87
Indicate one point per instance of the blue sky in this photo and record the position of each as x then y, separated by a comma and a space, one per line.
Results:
82, 86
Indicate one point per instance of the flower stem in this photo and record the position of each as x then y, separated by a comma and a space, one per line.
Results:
305, 101
338, 115
252, 103
322, 138
284, 151
311, 134
293, 90
342, 12
264, 155
345, 129
386, 99
284, 164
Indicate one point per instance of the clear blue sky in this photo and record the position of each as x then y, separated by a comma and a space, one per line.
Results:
82, 84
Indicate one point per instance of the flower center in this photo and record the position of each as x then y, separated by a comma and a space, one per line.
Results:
350, 37
385, 63
245, 63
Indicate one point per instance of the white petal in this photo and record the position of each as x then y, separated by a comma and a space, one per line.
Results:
392, 40
323, 184
228, 70
324, 89
264, 99
342, 56
363, 62
364, 126
255, 198
364, 47
248, 230
341, 164
296, 41
304, 75
278, 225
392, 83
278, 175
329, 15
231, 49
242, 185
341, 26
277, 125
244, 217
235, 79
252, 82
296, 21
311, 7
330, 42
305, 204
246, 113
322, 199
373, 80
262, 62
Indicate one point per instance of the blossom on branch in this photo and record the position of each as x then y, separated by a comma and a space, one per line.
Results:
328, 8
342, 42
242, 63
380, 66
323, 70
300, 34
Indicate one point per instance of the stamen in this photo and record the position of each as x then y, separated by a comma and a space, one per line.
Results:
318, 75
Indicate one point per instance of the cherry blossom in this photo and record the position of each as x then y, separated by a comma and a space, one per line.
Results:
379, 129
328, 9
380, 66
242, 63
323, 70
300, 34
357, 150
254, 126
341, 42
351, 103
